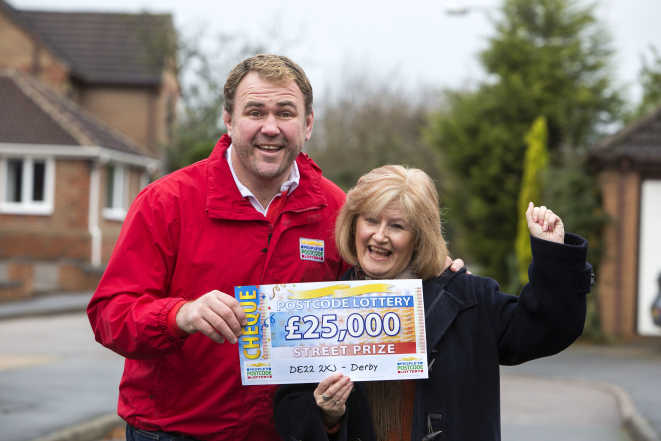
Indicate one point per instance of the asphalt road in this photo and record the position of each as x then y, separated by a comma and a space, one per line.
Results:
54, 375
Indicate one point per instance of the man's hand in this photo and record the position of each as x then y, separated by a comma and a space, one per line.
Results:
215, 314
455, 265
545, 224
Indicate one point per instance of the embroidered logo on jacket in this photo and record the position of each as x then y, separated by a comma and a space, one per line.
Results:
311, 249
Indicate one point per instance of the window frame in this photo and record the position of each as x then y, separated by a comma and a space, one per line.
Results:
27, 205
117, 210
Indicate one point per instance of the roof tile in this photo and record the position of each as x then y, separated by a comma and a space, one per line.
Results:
33, 113
106, 48
639, 142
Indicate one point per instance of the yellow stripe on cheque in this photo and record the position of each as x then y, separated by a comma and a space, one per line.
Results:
304, 294
340, 290
363, 289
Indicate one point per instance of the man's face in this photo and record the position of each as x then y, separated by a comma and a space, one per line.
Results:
268, 127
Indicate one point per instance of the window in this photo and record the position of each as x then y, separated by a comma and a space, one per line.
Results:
26, 185
144, 180
115, 201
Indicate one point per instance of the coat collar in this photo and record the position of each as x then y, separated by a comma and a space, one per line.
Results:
224, 201
442, 305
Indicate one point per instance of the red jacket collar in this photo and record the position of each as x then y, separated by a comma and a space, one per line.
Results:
223, 197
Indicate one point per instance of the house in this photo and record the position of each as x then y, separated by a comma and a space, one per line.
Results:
629, 165
86, 105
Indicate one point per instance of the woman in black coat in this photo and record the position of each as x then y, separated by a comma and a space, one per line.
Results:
390, 228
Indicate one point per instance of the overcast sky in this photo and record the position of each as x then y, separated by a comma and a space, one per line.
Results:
414, 42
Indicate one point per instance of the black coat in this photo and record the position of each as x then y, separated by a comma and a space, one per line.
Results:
472, 328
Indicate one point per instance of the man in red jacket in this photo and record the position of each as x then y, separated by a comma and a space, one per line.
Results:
239, 217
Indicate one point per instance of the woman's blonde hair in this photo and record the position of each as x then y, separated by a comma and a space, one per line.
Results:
416, 194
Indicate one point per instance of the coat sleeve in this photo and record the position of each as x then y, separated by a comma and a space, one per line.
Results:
128, 311
550, 312
297, 416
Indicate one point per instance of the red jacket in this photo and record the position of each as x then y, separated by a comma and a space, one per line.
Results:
187, 234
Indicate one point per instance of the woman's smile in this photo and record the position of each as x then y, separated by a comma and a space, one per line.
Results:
384, 243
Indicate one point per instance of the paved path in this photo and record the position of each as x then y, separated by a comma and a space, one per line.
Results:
45, 305
550, 410
634, 369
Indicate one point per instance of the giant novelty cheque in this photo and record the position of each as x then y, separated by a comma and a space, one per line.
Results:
304, 332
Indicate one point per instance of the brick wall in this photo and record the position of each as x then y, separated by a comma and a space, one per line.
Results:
61, 238
15, 46
64, 233
140, 113
22, 52
167, 100
72, 276
128, 110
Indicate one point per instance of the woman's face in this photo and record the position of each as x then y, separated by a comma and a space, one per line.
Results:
384, 243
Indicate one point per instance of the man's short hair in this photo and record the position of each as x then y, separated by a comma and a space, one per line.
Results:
417, 197
275, 68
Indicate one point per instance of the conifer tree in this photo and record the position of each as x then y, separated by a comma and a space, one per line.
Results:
536, 161
546, 57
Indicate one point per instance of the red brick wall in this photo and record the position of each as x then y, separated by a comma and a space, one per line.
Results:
64, 233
